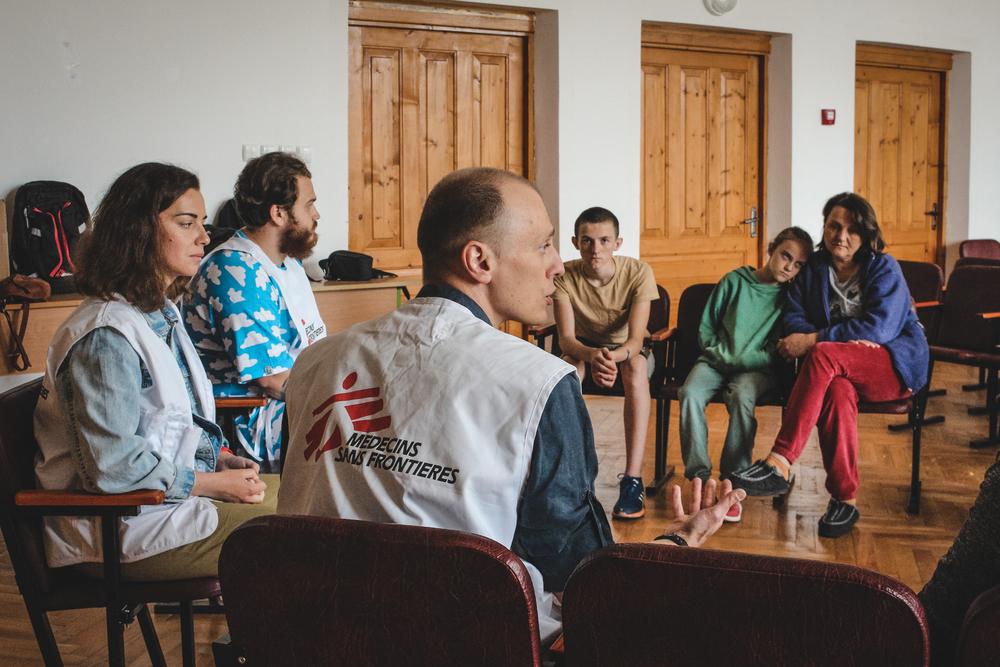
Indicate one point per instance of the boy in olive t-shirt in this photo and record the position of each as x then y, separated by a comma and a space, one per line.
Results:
601, 306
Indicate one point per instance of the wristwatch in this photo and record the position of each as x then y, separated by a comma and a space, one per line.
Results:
672, 537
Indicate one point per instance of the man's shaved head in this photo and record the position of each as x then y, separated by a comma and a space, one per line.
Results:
465, 205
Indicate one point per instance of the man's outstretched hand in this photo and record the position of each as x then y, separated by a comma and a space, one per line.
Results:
709, 504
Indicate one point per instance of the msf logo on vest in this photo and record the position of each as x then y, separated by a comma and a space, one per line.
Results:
361, 406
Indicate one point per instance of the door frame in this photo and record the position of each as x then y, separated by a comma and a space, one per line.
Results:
924, 60
720, 40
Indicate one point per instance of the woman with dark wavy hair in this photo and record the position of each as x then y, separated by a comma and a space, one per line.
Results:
125, 403
849, 315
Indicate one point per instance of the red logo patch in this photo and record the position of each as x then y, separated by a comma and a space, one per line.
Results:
360, 411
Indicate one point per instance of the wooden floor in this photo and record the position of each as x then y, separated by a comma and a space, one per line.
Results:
886, 538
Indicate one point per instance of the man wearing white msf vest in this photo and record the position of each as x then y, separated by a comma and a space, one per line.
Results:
431, 416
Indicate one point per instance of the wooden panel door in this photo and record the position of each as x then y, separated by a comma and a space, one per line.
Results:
423, 103
898, 151
701, 164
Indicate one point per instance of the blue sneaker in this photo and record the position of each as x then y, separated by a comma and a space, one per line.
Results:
631, 494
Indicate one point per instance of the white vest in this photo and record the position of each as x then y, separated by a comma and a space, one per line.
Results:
426, 416
295, 289
165, 421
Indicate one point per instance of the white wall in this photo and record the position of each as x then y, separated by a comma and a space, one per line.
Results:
92, 88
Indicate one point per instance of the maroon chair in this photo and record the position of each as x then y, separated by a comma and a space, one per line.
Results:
985, 248
321, 591
700, 607
979, 640
925, 280
46, 589
966, 337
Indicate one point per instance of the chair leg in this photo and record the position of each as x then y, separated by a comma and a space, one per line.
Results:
993, 409
661, 472
150, 637
919, 404
925, 420
976, 386
116, 636
187, 634
43, 635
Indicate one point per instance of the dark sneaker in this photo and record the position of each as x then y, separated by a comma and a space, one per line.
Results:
631, 493
760, 479
840, 517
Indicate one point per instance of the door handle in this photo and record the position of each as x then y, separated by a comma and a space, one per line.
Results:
752, 221
935, 215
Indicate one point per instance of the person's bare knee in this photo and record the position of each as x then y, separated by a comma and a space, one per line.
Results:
634, 375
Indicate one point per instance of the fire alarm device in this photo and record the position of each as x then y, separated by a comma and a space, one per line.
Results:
828, 116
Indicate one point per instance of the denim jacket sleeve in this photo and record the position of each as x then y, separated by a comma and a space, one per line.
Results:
559, 520
97, 385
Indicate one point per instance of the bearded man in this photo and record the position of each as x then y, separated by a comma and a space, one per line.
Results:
251, 310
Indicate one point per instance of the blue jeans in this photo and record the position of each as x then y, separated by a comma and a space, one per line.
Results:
740, 392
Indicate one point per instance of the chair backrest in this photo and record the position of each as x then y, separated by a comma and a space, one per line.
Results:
979, 640
987, 248
703, 607
18, 448
323, 591
694, 298
659, 311
976, 261
925, 280
971, 290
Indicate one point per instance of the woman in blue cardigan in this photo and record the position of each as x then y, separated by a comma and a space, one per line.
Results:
850, 315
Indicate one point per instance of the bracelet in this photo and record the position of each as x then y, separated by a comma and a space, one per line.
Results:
672, 537
628, 353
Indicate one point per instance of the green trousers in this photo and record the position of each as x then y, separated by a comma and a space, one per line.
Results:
739, 391
197, 559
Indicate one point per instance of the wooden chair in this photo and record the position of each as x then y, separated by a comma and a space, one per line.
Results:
979, 639
321, 591
659, 318
925, 280
981, 383
227, 408
701, 607
985, 248
45, 589
969, 333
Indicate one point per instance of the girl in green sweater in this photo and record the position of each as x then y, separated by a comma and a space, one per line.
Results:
737, 339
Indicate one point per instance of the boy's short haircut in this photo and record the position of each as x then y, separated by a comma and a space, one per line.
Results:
466, 204
594, 215
791, 234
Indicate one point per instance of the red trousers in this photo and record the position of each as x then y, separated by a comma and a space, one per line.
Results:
832, 379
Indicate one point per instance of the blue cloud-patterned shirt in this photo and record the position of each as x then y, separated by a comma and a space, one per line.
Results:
239, 323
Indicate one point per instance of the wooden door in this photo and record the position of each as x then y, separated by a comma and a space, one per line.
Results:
898, 156
701, 164
423, 103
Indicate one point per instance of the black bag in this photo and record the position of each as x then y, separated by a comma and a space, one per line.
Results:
228, 217
347, 265
48, 219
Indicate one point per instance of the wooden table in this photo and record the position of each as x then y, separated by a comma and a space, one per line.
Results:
341, 304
